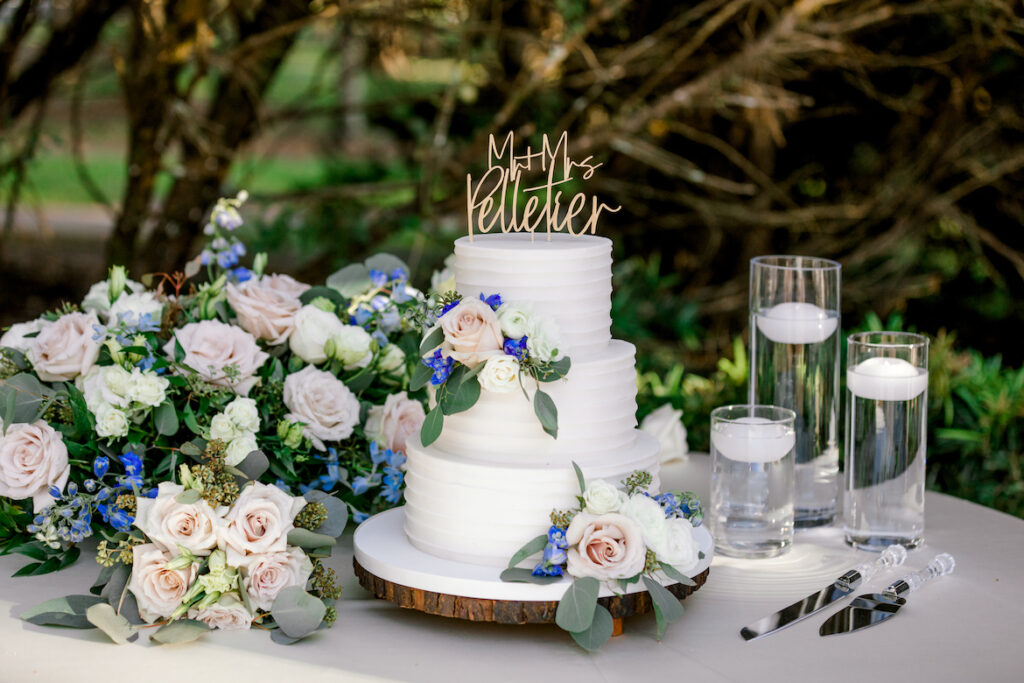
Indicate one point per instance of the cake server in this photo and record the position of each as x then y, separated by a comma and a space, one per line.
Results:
893, 556
874, 608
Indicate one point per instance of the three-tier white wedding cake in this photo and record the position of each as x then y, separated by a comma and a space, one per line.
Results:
491, 479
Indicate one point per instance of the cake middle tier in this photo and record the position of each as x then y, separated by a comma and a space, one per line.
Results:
596, 405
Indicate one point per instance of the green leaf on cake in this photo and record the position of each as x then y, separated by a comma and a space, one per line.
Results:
421, 375
600, 630
524, 575
549, 372
461, 397
431, 341
666, 606
432, 424
579, 477
673, 573
576, 609
166, 418
547, 413
532, 547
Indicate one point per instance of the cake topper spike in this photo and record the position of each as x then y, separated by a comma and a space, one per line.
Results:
486, 205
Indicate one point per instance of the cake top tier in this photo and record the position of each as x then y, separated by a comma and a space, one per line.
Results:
568, 279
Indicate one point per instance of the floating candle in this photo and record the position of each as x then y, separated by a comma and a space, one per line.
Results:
797, 322
753, 439
886, 379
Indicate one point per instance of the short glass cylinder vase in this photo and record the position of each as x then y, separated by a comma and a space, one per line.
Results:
752, 461
794, 363
886, 439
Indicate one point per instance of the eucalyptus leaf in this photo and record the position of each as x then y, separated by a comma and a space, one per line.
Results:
117, 628
279, 637
432, 425
386, 263
254, 465
114, 588
547, 413
22, 397
304, 538
421, 375
576, 609
600, 630
190, 449
296, 612
579, 478
550, 372
523, 575
673, 573
188, 497
337, 517
166, 418
432, 340
667, 608
66, 619
351, 281
361, 382
464, 397
531, 547
70, 604
180, 631
321, 292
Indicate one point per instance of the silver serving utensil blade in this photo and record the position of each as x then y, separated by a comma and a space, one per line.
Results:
893, 556
874, 608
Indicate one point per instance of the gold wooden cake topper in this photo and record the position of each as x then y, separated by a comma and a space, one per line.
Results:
486, 203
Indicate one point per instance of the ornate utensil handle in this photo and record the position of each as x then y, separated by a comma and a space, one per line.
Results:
893, 556
942, 564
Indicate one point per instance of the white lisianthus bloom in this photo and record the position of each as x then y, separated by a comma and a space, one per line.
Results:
244, 414
392, 358
351, 345
239, 448
111, 422
665, 424
105, 385
312, 327
131, 307
678, 547
97, 300
147, 388
500, 375
223, 428
543, 340
515, 321
15, 338
649, 516
602, 498
227, 614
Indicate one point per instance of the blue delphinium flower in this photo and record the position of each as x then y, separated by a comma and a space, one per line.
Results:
441, 366
516, 348
393, 479
100, 466
378, 278
390, 320
554, 555
358, 516
449, 306
545, 569
99, 333
377, 455
362, 484
394, 458
380, 338
146, 323
240, 274
556, 537
362, 315
494, 300
227, 259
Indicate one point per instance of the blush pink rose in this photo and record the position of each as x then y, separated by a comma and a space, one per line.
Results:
264, 576
327, 408
212, 346
267, 307
65, 349
227, 614
157, 589
472, 333
394, 422
605, 547
258, 522
169, 523
33, 458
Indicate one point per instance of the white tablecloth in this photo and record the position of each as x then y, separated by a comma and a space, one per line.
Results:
964, 627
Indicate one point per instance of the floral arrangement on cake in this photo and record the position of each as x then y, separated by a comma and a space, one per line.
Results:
303, 387
614, 538
213, 552
487, 344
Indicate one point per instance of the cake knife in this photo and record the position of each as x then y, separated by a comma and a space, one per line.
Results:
874, 608
893, 556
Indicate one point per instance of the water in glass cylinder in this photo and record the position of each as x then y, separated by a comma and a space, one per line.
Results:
885, 463
752, 487
795, 351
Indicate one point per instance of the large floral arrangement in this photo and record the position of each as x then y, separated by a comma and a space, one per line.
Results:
304, 387
615, 538
487, 344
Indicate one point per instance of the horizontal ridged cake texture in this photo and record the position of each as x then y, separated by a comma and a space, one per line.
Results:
487, 485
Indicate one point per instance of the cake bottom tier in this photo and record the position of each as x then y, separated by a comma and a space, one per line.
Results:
482, 513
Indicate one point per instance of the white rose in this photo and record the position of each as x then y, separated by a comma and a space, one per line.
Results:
158, 590
328, 409
267, 307
227, 614
515, 320
258, 522
471, 332
105, 385
65, 349
130, 307
33, 458
665, 424
169, 523
500, 375
147, 388
222, 428
244, 413
212, 346
604, 547
393, 423
352, 345
602, 498
98, 299
264, 576
238, 449
111, 422
649, 516
312, 328
678, 547
392, 358
543, 340
14, 338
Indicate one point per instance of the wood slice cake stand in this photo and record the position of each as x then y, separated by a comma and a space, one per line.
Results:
392, 569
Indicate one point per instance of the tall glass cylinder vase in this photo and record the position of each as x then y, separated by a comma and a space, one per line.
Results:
794, 363
886, 439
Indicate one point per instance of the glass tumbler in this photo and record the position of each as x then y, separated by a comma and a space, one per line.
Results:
752, 480
794, 363
886, 439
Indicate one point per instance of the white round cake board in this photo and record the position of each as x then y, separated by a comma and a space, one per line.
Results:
382, 548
